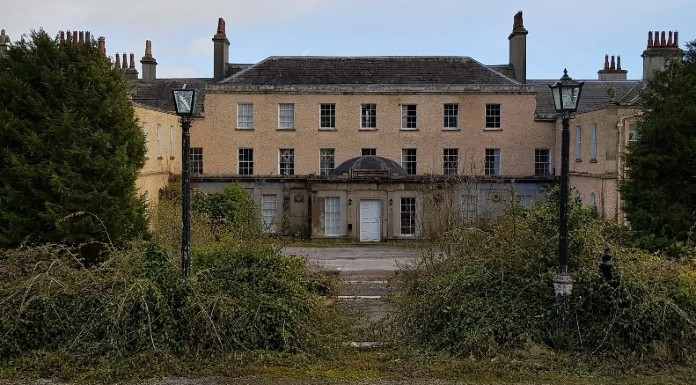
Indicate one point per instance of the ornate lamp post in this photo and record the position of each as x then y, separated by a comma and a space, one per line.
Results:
566, 95
184, 104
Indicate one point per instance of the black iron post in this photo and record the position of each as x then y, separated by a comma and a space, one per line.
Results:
563, 226
185, 196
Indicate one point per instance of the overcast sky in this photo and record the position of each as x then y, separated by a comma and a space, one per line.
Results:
572, 34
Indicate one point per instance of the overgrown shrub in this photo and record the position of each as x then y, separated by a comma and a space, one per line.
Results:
237, 298
481, 293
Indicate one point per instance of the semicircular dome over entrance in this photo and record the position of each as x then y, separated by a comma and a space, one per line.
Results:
369, 166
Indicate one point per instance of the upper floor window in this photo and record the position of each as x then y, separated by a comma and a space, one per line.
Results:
542, 161
633, 133
409, 116
286, 161
327, 160
146, 132
245, 115
159, 141
408, 160
327, 116
451, 116
245, 161
491, 162
171, 141
196, 160
368, 151
368, 116
578, 144
286, 116
450, 161
593, 143
493, 116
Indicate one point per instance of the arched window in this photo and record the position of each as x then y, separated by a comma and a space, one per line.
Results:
593, 199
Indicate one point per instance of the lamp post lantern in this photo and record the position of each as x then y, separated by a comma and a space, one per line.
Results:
184, 104
566, 95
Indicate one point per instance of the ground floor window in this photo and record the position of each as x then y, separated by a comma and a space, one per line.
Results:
469, 206
408, 216
196, 160
332, 216
269, 211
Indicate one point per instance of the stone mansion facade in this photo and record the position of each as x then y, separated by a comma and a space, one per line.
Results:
386, 148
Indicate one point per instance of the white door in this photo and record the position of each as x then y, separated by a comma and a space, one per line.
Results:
370, 220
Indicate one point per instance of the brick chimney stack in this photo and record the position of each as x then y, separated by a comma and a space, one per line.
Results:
518, 48
149, 64
129, 71
661, 49
221, 51
612, 71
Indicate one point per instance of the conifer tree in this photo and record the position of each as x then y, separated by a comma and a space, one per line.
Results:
70, 148
660, 189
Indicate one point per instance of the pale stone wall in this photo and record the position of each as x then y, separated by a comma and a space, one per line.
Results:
519, 137
599, 176
163, 156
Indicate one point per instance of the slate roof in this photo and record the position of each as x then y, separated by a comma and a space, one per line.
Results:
158, 93
393, 70
595, 95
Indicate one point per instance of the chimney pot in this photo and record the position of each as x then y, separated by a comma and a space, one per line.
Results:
117, 65
102, 45
613, 63
125, 61
221, 26
618, 62
148, 48
663, 40
650, 39
606, 61
88, 38
62, 37
75, 38
669, 40
676, 39
132, 61
656, 43
81, 39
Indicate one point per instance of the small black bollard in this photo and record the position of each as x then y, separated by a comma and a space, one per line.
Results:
606, 267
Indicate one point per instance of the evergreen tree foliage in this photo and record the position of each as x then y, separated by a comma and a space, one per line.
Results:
660, 190
70, 147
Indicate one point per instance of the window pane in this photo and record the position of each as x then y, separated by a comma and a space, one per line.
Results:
328, 115
492, 161
451, 116
269, 212
408, 216
542, 162
245, 115
578, 143
368, 151
368, 116
332, 216
286, 161
593, 143
450, 162
246, 161
492, 115
409, 116
196, 160
326, 160
469, 208
408, 160
286, 116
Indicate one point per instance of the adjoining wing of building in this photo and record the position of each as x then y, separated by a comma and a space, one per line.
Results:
385, 148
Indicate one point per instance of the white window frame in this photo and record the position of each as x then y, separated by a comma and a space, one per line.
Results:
408, 216
493, 117
368, 151
327, 160
469, 208
286, 116
171, 142
409, 160
633, 134
409, 116
196, 160
159, 140
245, 116
269, 212
492, 162
593, 199
593, 143
245, 161
540, 164
450, 114
368, 116
327, 116
332, 216
450, 161
578, 144
286, 156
